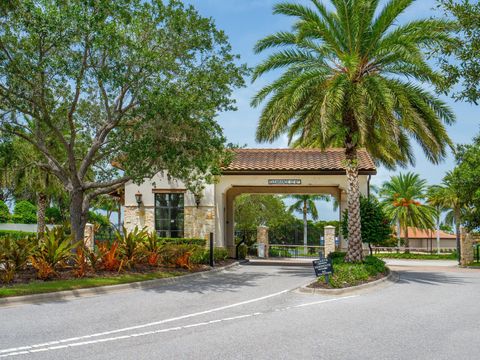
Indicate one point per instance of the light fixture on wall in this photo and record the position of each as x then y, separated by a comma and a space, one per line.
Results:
138, 198
198, 199
154, 184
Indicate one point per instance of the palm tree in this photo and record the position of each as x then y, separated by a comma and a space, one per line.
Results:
447, 196
305, 204
351, 80
435, 198
402, 198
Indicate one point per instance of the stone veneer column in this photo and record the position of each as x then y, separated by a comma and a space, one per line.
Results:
89, 237
199, 222
143, 217
262, 237
466, 249
329, 239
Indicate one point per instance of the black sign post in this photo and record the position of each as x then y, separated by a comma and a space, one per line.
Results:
212, 263
323, 267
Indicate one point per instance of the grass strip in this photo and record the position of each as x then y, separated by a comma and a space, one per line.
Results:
416, 256
40, 287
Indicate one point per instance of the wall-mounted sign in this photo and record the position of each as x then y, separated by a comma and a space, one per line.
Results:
284, 182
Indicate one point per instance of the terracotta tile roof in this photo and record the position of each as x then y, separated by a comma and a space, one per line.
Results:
415, 233
296, 160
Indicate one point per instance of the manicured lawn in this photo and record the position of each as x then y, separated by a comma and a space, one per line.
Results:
416, 256
38, 287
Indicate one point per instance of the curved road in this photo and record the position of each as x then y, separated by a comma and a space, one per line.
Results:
432, 312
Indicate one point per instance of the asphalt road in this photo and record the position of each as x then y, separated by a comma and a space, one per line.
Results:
432, 312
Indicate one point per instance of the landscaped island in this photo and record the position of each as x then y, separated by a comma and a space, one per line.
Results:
351, 274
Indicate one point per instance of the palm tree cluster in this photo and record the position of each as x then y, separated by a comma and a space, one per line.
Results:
352, 78
404, 202
410, 203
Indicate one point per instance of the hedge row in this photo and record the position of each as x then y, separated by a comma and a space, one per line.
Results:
16, 234
182, 241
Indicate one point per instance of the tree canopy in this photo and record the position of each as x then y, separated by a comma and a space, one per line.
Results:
461, 59
133, 82
254, 210
465, 179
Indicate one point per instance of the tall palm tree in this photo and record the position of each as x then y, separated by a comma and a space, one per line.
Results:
305, 204
435, 198
350, 80
447, 196
402, 198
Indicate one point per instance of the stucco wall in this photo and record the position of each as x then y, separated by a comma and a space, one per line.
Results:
160, 181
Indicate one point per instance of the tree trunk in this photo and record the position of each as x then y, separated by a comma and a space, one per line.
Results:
305, 228
399, 235
41, 209
407, 246
438, 234
355, 251
78, 215
457, 232
119, 219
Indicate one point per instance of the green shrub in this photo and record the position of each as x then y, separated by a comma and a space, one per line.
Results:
374, 265
220, 254
337, 256
53, 215
99, 219
4, 212
16, 234
202, 256
242, 251
24, 212
182, 241
376, 228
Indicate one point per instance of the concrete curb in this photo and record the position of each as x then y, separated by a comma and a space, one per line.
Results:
101, 290
391, 277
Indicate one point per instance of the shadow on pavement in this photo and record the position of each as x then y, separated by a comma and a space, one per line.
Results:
429, 278
229, 280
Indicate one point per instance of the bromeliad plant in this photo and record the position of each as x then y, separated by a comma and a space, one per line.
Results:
52, 252
152, 248
131, 245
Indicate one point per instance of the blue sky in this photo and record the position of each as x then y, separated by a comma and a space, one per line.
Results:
246, 21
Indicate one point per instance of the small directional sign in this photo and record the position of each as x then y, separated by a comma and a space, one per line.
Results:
322, 267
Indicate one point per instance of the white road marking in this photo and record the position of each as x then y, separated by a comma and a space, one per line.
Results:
16, 352
136, 327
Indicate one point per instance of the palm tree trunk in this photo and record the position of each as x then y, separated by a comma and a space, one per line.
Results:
457, 232
438, 234
355, 251
407, 240
41, 209
305, 228
399, 236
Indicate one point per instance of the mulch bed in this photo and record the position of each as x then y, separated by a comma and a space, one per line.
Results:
29, 274
323, 285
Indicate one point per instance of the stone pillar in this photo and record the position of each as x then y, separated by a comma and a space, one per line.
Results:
262, 237
329, 239
466, 249
89, 237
